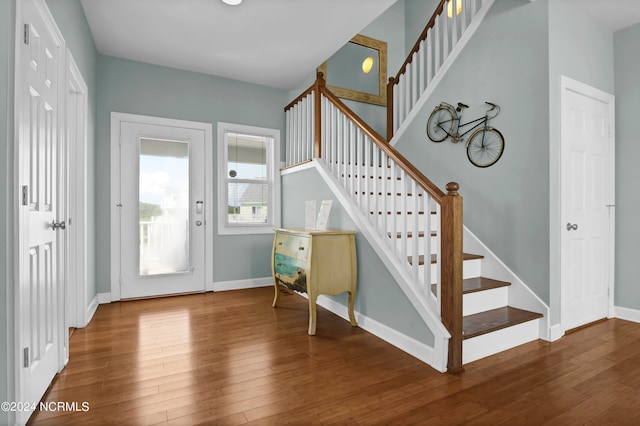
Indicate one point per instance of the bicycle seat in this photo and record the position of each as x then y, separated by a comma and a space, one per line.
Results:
461, 105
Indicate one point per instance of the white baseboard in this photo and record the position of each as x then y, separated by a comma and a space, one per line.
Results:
91, 310
240, 284
405, 343
627, 314
104, 298
555, 332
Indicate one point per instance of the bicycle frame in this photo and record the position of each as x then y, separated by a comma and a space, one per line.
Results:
456, 136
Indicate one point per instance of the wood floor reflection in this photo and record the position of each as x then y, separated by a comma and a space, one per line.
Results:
229, 358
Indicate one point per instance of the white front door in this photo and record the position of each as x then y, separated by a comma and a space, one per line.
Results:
162, 209
587, 200
39, 236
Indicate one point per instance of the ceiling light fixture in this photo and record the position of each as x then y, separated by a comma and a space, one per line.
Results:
232, 2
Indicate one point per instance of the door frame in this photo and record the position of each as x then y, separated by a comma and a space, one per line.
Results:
567, 84
15, 377
78, 310
117, 118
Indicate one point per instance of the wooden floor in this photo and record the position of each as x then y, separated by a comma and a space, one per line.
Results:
229, 358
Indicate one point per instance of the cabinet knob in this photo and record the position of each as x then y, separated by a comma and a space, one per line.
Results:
300, 248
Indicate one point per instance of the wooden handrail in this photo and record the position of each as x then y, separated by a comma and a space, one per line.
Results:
391, 152
301, 97
422, 37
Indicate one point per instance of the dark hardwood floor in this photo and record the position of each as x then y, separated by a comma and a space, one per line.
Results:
229, 358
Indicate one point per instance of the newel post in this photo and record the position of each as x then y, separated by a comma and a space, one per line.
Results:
392, 82
451, 274
317, 119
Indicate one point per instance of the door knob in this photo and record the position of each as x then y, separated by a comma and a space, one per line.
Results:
198, 222
58, 225
572, 227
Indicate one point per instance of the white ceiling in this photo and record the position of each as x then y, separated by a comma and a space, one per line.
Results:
275, 43
614, 14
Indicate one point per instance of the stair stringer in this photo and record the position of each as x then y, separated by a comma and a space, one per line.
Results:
519, 294
420, 301
442, 71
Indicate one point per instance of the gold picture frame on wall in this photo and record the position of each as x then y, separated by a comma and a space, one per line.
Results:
346, 75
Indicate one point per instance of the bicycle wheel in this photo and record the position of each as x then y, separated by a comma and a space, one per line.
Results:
485, 147
440, 123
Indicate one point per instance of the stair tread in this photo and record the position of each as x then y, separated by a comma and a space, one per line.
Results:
472, 285
495, 319
434, 259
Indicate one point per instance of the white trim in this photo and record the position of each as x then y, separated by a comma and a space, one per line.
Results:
77, 200
117, 118
298, 168
569, 84
455, 52
413, 347
273, 179
240, 284
91, 310
555, 332
627, 314
104, 298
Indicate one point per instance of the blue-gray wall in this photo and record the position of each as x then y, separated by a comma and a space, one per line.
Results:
378, 296
627, 81
5, 40
137, 88
416, 15
69, 17
507, 204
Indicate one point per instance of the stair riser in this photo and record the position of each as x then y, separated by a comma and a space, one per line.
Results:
480, 301
500, 340
470, 269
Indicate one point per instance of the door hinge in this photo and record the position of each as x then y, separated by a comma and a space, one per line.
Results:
26, 33
25, 356
25, 195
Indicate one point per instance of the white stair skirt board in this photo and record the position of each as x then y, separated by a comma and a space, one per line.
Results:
486, 300
500, 340
240, 284
403, 342
627, 314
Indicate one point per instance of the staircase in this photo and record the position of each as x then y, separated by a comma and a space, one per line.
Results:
474, 305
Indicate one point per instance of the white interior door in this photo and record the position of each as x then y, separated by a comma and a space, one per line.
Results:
162, 209
40, 254
587, 200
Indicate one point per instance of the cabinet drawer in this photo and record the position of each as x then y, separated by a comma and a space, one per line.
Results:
294, 246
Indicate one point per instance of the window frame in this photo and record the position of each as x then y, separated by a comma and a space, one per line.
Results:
273, 180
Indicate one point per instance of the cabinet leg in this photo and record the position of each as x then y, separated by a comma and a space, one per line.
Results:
352, 317
276, 297
313, 313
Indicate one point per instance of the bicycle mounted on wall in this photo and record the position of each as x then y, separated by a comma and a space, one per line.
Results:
484, 146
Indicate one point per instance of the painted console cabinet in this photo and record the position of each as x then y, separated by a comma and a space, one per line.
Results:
315, 262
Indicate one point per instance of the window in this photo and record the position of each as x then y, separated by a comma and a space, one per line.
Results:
249, 191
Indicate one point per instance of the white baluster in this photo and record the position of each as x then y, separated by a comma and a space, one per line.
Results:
429, 41
360, 173
436, 42
352, 158
422, 68
365, 176
407, 92
445, 34
454, 23
414, 80
392, 205
396, 108
310, 127
287, 125
415, 220
464, 17
401, 95
403, 218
